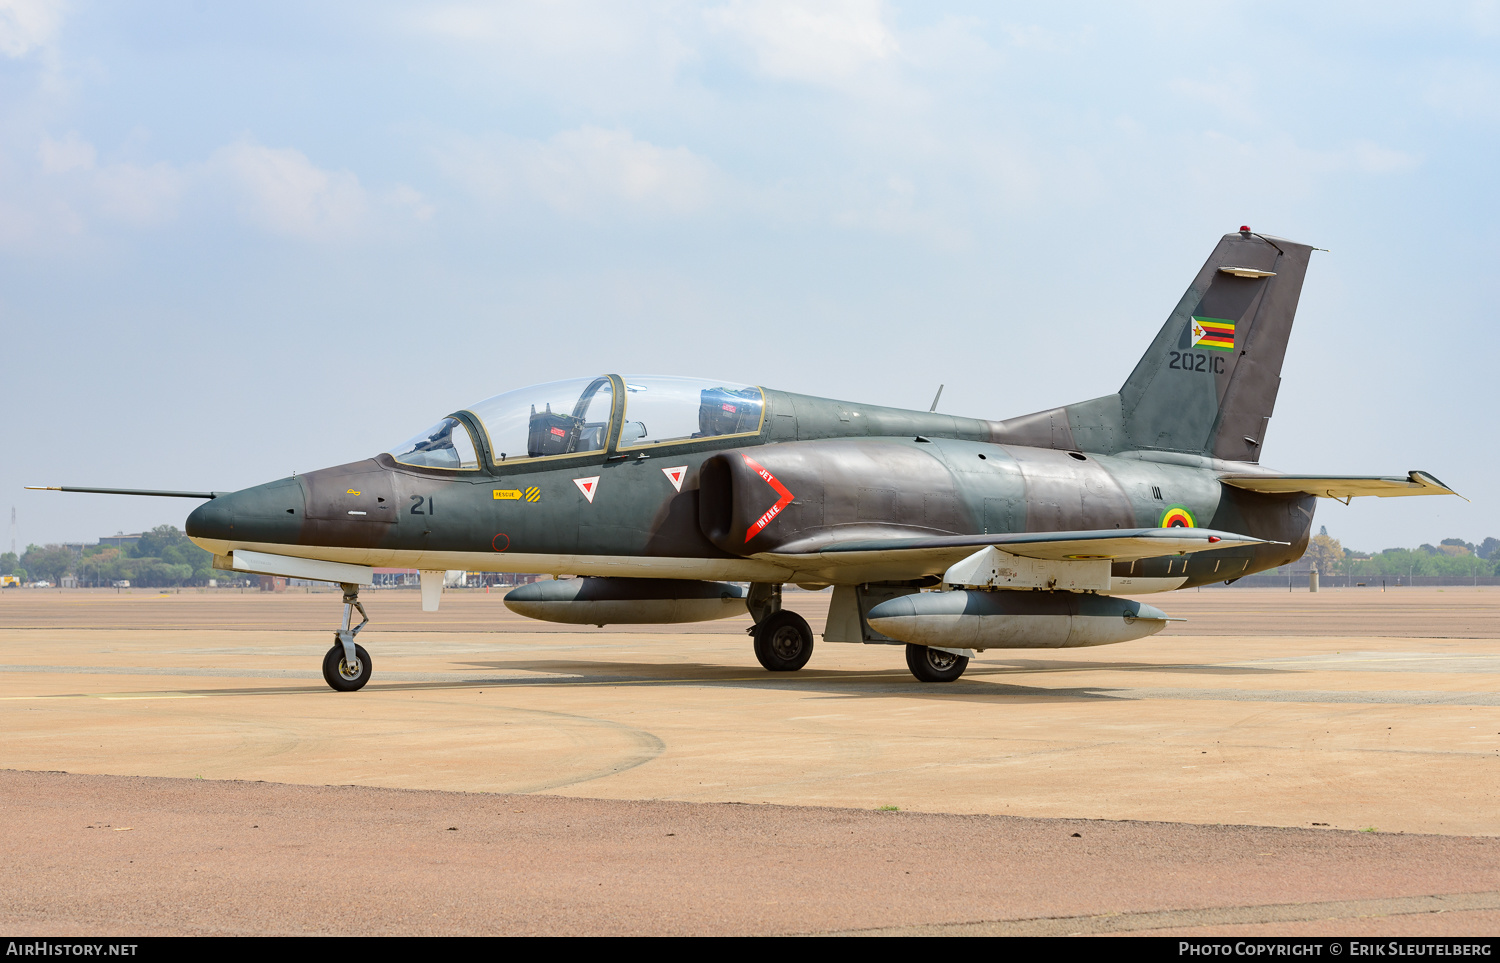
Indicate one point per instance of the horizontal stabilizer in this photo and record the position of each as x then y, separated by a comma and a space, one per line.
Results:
1341, 487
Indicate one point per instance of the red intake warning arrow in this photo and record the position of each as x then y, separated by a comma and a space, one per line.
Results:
782, 502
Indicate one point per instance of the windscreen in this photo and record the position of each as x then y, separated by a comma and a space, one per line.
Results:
445, 445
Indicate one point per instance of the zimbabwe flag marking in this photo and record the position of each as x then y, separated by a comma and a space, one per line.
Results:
1214, 334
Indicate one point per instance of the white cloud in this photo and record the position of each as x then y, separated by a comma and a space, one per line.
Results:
1374, 159
1278, 163
598, 53
585, 172
1233, 97
1468, 90
72, 153
26, 25
74, 178
411, 199
825, 42
71, 187
139, 195
285, 193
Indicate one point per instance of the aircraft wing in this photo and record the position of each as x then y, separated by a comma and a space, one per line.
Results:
923, 555
1341, 487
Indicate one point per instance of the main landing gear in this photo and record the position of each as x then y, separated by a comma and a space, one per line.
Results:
934, 665
783, 640
347, 666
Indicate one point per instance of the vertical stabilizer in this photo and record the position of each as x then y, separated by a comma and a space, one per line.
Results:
1208, 383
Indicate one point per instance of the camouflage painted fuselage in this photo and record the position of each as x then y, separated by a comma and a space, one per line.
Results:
758, 509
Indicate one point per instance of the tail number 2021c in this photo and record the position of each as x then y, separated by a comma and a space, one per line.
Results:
1190, 361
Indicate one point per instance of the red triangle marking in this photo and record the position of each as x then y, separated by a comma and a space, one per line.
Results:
675, 475
588, 486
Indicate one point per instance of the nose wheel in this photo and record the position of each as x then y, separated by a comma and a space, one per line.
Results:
343, 675
347, 666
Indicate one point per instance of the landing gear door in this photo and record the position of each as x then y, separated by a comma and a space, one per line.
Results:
847, 621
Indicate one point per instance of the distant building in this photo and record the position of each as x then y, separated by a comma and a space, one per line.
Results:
395, 578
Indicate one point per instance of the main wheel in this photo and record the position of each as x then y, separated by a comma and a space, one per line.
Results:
342, 676
783, 642
934, 665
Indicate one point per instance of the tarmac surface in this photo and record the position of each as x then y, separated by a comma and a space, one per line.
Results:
1283, 763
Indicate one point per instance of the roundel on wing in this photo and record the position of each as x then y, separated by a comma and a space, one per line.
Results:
1177, 517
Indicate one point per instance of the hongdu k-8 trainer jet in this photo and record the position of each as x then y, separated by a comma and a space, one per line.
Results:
948, 535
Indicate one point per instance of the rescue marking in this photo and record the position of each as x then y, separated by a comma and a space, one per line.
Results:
588, 486
507, 494
533, 494
675, 475
351, 492
774, 510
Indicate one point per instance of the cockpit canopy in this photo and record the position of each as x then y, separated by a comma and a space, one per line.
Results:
575, 417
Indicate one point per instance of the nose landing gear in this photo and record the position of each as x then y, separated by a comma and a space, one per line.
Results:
347, 666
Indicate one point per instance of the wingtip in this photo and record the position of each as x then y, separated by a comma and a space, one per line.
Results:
1428, 480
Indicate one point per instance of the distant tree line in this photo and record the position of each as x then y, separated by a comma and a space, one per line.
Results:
161, 557
1450, 557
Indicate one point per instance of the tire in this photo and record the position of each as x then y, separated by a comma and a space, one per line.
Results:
934, 665
336, 671
783, 642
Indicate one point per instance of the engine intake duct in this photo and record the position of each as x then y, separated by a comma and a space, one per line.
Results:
626, 601
1014, 620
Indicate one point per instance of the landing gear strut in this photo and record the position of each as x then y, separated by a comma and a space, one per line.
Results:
783, 640
347, 666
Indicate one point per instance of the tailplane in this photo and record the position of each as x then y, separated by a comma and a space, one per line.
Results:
1208, 383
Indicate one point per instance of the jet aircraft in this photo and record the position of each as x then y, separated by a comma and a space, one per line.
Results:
949, 535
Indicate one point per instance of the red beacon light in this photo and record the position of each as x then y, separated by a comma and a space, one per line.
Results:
1244, 228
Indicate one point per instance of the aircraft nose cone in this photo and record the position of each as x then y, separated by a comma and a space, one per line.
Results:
270, 513
213, 519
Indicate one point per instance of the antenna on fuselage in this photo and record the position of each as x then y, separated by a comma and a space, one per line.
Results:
935, 398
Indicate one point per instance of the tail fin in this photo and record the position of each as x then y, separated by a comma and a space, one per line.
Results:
1208, 383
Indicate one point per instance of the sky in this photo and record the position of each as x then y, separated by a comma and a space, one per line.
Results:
239, 240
